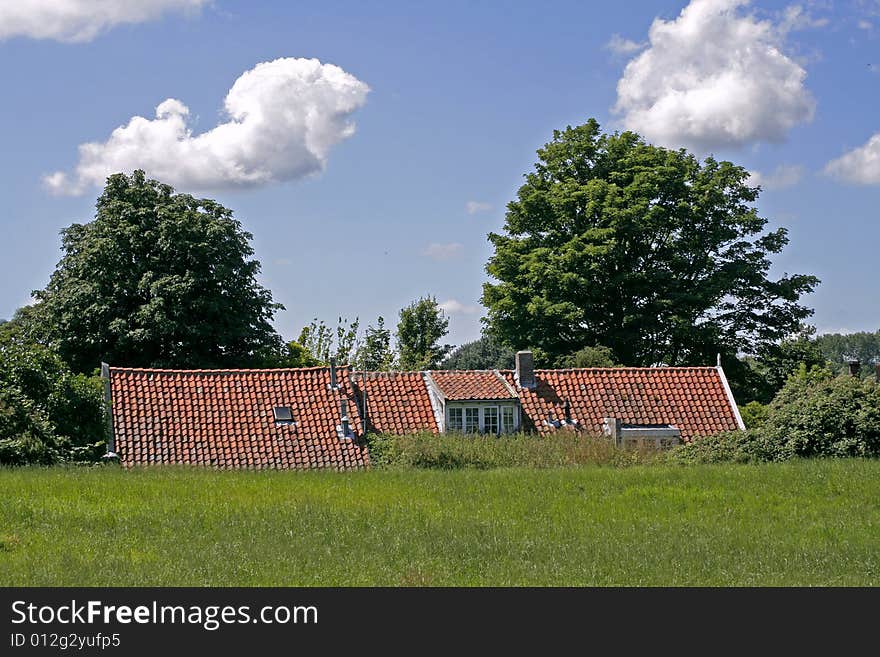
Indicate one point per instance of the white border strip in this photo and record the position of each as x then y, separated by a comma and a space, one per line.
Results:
739, 420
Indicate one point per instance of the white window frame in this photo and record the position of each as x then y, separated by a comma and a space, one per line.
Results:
514, 416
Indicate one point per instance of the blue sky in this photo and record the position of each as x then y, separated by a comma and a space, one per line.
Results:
461, 94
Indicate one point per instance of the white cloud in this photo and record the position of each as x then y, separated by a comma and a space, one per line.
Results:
621, 46
860, 166
714, 77
473, 207
865, 25
283, 118
80, 20
443, 251
785, 175
795, 17
454, 307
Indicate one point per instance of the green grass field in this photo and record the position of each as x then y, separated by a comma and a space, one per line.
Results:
798, 523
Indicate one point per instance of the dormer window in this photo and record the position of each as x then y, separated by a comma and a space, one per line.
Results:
488, 418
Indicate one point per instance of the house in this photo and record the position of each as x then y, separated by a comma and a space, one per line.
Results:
318, 417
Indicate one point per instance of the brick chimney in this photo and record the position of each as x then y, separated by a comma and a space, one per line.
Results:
525, 370
854, 368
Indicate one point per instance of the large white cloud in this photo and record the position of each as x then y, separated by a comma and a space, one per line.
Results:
860, 166
283, 118
714, 77
80, 20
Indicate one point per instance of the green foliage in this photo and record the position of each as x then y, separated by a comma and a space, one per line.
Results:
487, 353
158, 279
769, 370
323, 343
376, 354
421, 327
816, 414
295, 355
646, 250
48, 405
753, 414
750, 446
842, 348
597, 356
26, 436
456, 451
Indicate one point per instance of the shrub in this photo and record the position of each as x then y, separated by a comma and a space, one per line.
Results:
750, 446
817, 414
457, 451
46, 404
26, 435
754, 414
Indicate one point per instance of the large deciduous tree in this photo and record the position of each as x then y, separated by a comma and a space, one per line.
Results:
658, 256
158, 279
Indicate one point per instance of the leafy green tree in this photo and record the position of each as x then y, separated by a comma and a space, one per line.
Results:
842, 348
26, 436
323, 343
293, 354
597, 356
421, 327
158, 279
376, 353
770, 369
49, 405
658, 256
487, 353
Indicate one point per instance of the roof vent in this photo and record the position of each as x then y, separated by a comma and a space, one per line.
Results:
343, 430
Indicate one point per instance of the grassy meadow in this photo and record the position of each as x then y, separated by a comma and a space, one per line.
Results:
796, 523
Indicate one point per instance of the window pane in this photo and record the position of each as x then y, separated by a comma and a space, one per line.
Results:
507, 417
455, 421
490, 419
471, 420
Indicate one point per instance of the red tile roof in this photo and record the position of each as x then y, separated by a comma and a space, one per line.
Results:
224, 418
692, 398
472, 384
397, 402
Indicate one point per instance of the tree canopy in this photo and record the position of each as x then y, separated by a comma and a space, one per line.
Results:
648, 251
840, 348
487, 353
421, 327
158, 279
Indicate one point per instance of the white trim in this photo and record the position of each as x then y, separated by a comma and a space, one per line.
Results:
509, 387
438, 401
739, 420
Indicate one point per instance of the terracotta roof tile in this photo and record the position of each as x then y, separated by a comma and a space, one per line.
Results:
692, 398
457, 385
224, 418
397, 402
